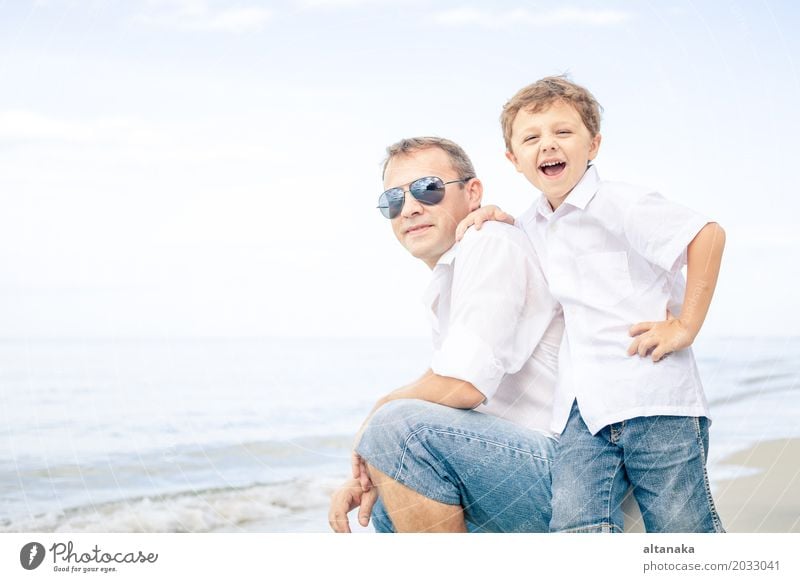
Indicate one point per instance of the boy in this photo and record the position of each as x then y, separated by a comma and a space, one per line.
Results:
628, 413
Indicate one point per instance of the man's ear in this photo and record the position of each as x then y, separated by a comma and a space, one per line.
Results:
513, 159
595, 146
474, 193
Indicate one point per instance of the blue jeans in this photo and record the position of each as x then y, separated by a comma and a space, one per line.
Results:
662, 457
497, 471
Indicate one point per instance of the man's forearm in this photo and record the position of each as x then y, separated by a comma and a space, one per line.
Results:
432, 388
704, 256
439, 390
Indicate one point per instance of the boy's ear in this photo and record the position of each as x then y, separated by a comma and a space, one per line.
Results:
595, 147
474, 194
513, 159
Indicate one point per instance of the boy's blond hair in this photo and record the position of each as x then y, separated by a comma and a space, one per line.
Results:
545, 92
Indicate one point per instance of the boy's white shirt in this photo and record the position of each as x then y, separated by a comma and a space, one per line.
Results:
612, 254
496, 325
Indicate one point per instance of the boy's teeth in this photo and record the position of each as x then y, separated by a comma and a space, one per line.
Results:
552, 168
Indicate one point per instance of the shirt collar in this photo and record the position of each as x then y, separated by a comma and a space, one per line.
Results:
581, 194
449, 256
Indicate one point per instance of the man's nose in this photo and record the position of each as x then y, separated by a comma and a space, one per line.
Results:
411, 206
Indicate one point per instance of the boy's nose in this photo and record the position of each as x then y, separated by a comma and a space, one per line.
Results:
549, 144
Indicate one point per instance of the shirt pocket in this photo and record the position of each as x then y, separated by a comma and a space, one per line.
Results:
605, 279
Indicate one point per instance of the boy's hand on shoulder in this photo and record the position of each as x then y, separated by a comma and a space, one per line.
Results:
478, 217
659, 338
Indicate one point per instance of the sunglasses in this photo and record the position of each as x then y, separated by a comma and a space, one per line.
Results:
428, 190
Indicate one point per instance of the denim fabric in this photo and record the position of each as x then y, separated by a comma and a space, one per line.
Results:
662, 457
496, 470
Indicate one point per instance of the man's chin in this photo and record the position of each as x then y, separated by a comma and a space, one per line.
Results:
419, 251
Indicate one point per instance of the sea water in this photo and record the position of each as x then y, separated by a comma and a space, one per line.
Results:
254, 434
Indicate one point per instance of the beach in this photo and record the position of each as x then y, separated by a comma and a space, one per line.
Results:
246, 436
767, 500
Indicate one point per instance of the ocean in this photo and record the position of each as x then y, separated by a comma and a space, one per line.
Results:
191, 435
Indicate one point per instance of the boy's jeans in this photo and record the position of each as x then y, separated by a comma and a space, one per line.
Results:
499, 472
662, 457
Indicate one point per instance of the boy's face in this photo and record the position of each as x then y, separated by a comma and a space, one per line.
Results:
552, 148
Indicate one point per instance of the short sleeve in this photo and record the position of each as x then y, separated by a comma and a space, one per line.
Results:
660, 230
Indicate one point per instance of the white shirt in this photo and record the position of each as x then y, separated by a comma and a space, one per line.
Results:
496, 325
612, 254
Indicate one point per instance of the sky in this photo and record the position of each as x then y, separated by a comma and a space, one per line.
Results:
194, 168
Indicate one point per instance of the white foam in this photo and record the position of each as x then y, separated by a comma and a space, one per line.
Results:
280, 507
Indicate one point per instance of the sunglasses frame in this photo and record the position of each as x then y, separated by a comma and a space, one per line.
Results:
386, 210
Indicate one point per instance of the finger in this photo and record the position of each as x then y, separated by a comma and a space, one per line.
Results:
366, 482
660, 353
367, 503
337, 515
634, 347
339, 523
463, 226
478, 221
640, 328
647, 343
355, 464
505, 217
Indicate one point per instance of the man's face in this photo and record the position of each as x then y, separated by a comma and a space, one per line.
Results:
429, 231
552, 148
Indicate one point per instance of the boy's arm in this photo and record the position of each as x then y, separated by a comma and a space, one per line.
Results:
478, 217
703, 258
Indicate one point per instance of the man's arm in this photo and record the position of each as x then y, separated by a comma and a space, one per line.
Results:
430, 387
703, 259
439, 390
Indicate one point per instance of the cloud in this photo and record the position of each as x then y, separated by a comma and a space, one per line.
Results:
28, 126
350, 3
521, 16
133, 140
200, 15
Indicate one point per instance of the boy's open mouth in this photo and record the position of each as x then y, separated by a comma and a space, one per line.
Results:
552, 168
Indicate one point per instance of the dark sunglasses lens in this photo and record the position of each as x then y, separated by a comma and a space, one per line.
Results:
391, 202
429, 190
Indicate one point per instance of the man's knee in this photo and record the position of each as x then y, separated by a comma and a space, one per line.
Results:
391, 426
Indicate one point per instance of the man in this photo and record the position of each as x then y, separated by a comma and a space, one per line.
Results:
465, 447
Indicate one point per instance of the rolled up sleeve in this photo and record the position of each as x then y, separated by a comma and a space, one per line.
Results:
466, 356
488, 304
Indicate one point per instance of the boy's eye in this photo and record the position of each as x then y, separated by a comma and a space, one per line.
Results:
531, 138
563, 132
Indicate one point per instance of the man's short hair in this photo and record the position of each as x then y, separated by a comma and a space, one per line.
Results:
458, 157
543, 93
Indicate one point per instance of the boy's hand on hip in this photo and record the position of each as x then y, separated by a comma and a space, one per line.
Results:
659, 338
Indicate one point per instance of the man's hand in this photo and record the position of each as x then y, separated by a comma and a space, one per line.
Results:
481, 215
659, 338
357, 465
359, 470
345, 499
